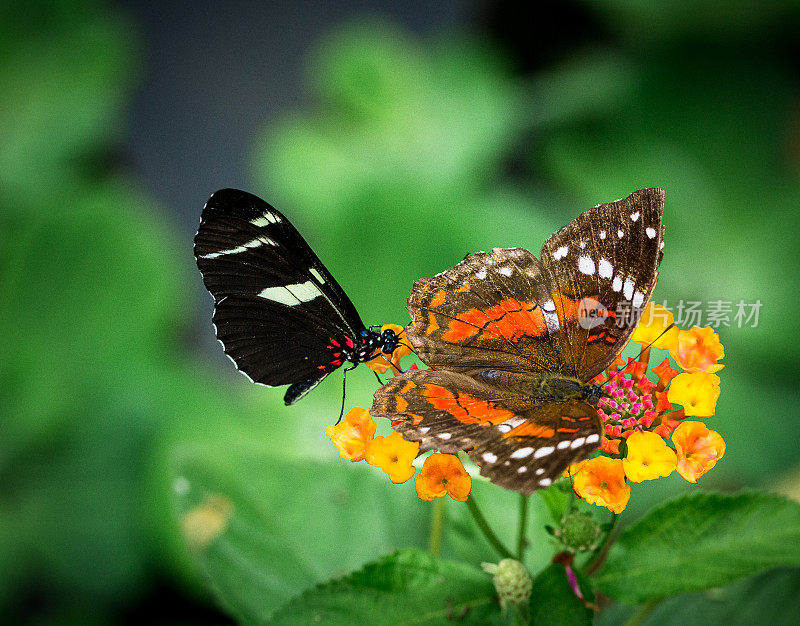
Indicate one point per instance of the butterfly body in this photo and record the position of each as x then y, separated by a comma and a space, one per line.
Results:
514, 342
279, 314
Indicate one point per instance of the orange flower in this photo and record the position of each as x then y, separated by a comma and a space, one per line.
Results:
352, 434
698, 448
393, 455
698, 350
654, 321
648, 457
443, 474
381, 362
601, 481
696, 392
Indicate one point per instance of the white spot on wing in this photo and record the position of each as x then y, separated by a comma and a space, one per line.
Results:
292, 295
605, 269
545, 482
602, 234
505, 271
489, 457
593, 438
617, 284
620, 234
245, 246
638, 298
424, 429
444, 436
562, 444
634, 216
481, 273
651, 232
540, 471
586, 265
316, 274
543, 452
560, 253
627, 289
522, 470
577, 443
521, 453
265, 220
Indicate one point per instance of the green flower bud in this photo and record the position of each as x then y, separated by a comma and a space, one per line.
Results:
511, 580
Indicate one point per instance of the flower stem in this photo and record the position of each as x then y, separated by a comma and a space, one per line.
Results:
643, 612
600, 556
480, 520
523, 527
437, 526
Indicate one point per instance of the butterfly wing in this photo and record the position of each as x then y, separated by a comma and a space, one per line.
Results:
491, 310
279, 314
564, 313
520, 442
602, 269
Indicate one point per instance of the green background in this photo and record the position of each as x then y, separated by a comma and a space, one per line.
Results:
406, 152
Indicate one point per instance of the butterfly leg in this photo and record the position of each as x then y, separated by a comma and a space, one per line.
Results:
344, 389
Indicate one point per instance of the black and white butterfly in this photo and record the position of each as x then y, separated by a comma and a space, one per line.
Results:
279, 314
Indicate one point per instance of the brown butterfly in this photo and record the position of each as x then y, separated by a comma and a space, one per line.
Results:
513, 342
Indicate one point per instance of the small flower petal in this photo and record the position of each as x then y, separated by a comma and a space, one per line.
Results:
696, 392
698, 448
648, 457
352, 434
443, 474
393, 455
654, 321
698, 350
601, 481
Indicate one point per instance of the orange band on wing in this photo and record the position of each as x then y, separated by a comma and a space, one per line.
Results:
510, 318
465, 408
432, 324
438, 298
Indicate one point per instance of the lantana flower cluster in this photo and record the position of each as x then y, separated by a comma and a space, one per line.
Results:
639, 417
354, 437
441, 474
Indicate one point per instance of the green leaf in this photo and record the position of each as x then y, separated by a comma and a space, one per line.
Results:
407, 587
554, 603
699, 542
769, 598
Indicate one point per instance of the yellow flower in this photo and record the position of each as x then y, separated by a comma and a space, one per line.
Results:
352, 434
443, 474
648, 457
696, 392
698, 448
601, 481
698, 350
382, 362
393, 455
654, 321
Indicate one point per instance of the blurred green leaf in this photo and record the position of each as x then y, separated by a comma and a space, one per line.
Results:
64, 70
407, 587
769, 598
554, 603
701, 541
292, 525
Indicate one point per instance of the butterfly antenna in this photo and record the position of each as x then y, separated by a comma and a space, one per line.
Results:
642, 351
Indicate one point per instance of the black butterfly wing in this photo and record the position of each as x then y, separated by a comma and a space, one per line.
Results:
603, 269
279, 314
